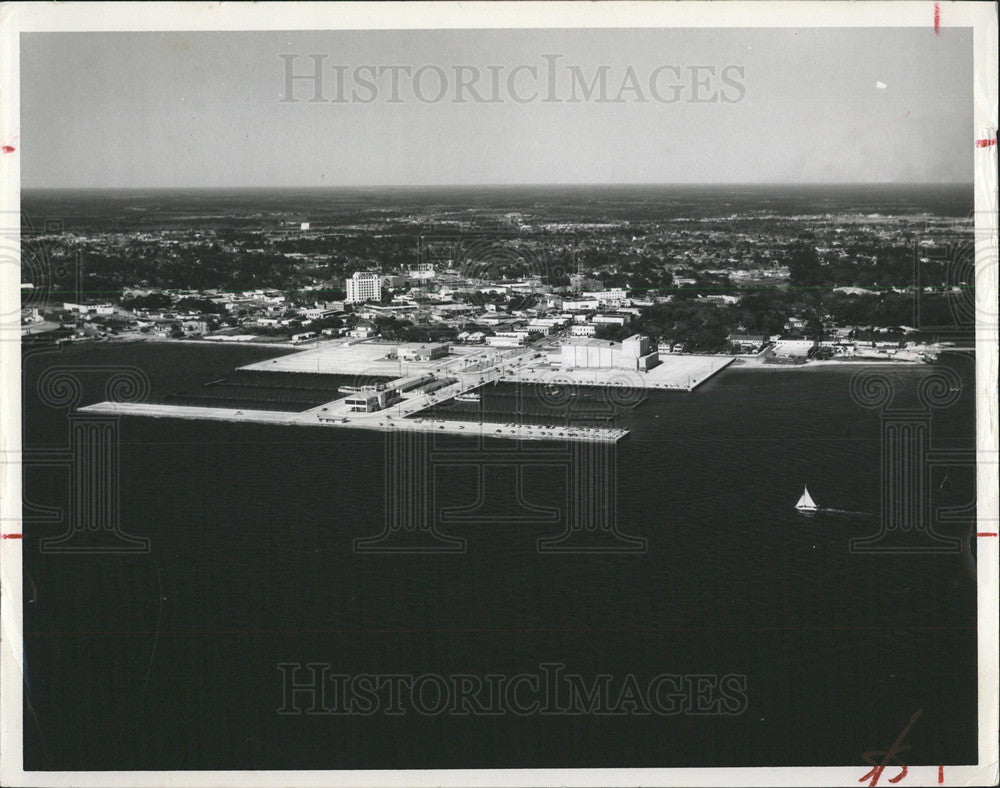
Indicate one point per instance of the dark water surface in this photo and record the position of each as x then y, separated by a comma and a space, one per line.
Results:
168, 660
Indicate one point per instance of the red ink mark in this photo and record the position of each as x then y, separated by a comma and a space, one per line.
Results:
7, 149
12, 536
986, 533
940, 774
937, 19
897, 746
986, 143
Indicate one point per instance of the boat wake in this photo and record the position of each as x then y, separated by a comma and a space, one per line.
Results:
847, 512
807, 506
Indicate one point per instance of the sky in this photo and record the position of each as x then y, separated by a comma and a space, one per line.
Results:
213, 109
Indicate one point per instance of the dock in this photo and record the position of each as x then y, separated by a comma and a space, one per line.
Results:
382, 421
673, 373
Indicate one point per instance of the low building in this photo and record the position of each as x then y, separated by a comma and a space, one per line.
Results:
372, 398
423, 352
540, 326
747, 343
319, 312
506, 339
612, 319
792, 348
614, 295
583, 330
90, 309
720, 300
582, 305
195, 326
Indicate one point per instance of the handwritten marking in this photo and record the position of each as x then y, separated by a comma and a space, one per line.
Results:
937, 19
897, 747
986, 143
986, 533
12, 536
940, 774
8, 148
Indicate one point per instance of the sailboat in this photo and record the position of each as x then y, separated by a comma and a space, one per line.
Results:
806, 503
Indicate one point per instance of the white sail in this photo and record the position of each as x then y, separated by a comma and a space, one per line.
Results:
806, 503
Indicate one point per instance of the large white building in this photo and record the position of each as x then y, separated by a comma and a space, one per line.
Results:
616, 296
632, 353
364, 286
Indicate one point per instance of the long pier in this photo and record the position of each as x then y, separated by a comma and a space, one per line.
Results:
381, 421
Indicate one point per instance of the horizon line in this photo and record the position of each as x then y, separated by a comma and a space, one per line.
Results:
568, 184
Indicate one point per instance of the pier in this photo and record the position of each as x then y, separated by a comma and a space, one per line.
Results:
382, 421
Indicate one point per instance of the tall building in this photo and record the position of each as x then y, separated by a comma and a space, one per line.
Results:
364, 286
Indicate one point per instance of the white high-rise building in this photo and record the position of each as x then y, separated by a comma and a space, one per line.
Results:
364, 286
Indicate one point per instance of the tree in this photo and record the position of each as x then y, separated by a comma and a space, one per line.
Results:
803, 264
151, 301
612, 332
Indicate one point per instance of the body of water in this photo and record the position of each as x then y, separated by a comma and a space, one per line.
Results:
169, 659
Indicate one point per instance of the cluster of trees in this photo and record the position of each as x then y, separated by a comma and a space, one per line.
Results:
400, 330
702, 326
699, 326
878, 265
164, 301
207, 266
151, 301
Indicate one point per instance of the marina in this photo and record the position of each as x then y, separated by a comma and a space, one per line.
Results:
392, 384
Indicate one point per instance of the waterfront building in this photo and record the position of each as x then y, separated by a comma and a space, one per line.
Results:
793, 348
422, 352
372, 398
747, 343
635, 352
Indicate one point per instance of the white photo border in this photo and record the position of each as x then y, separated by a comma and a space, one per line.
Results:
94, 17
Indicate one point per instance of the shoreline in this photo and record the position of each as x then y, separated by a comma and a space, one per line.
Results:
830, 363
